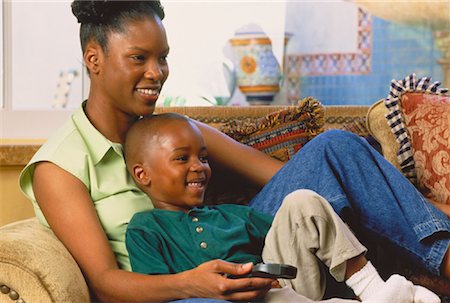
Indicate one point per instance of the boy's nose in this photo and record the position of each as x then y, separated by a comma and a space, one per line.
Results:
197, 166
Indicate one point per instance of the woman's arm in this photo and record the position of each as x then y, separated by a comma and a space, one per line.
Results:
245, 160
69, 210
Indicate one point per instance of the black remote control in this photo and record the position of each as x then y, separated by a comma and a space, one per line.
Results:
270, 270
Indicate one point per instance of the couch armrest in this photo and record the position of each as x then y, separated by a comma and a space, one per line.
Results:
379, 129
36, 267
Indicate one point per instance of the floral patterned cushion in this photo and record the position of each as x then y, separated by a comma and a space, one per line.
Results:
419, 117
427, 119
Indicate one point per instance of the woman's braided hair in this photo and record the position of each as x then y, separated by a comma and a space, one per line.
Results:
99, 17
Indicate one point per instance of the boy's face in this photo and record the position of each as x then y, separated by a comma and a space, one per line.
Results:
177, 167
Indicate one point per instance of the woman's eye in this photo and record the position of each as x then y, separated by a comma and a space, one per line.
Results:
139, 58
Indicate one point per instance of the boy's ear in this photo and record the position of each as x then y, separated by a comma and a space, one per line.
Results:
140, 175
92, 56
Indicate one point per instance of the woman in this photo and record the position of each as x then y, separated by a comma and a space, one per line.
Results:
80, 175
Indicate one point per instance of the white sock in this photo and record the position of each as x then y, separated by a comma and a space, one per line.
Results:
395, 290
424, 295
370, 288
366, 282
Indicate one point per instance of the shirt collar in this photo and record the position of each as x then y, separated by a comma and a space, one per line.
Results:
178, 214
97, 144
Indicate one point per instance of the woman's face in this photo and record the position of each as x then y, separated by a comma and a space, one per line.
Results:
134, 67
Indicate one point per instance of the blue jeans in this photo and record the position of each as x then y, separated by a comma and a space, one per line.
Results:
363, 187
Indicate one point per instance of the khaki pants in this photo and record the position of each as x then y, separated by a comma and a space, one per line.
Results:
308, 234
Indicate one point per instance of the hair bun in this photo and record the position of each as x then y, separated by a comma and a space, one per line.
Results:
103, 11
89, 11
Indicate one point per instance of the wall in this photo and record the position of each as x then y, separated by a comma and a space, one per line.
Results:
14, 155
41, 43
396, 52
13, 204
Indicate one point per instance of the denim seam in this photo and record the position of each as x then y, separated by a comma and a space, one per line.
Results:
436, 257
428, 228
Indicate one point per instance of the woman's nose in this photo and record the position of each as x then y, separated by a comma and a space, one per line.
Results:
153, 72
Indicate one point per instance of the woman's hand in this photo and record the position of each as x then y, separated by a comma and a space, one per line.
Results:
209, 280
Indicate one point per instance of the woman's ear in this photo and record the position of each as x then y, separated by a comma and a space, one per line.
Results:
140, 175
92, 58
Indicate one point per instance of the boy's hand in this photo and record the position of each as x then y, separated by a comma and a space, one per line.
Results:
209, 280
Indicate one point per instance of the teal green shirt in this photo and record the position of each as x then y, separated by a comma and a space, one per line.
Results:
80, 149
165, 242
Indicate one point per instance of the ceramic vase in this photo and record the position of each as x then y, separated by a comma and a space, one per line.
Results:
258, 73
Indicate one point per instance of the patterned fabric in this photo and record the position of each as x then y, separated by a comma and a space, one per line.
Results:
427, 119
282, 133
358, 126
396, 120
419, 116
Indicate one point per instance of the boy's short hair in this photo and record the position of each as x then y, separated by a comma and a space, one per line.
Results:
138, 134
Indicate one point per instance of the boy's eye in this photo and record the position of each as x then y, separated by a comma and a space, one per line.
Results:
204, 159
181, 158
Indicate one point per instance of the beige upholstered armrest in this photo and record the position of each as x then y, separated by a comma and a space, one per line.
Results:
36, 267
380, 130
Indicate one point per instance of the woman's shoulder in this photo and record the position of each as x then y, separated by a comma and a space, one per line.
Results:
65, 142
67, 148
65, 145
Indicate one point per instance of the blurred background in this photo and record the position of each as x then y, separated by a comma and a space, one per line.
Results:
340, 52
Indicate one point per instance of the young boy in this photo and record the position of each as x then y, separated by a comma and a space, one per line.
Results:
168, 159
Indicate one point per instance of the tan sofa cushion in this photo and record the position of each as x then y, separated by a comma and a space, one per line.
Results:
36, 265
379, 129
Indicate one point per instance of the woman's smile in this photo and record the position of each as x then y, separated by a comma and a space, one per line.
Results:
148, 94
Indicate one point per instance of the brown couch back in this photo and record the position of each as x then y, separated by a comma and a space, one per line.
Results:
335, 116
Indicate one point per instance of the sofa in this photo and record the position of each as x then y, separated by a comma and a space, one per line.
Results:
36, 267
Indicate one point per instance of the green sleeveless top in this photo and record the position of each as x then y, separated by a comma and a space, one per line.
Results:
80, 149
